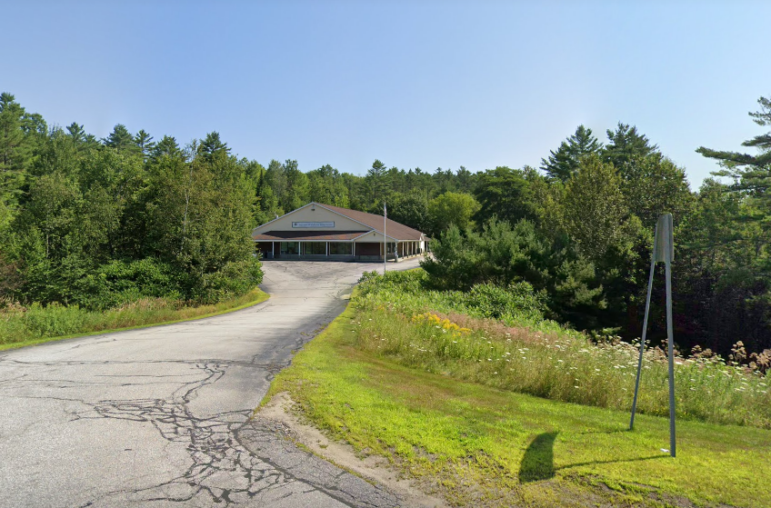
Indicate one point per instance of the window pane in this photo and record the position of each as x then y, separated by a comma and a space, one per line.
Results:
290, 248
340, 249
315, 248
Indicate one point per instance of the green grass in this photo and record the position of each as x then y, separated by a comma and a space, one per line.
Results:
481, 446
544, 359
44, 324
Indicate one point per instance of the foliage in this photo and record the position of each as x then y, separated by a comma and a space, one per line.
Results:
516, 303
20, 326
451, 209
563, 162
505, 193
71, 205
593, 209
100, 224
626, 145
501, 254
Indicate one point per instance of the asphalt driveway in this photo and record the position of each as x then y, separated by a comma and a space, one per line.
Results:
151, 417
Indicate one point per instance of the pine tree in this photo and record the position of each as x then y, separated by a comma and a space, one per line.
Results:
144, 141
626, 145
16, 146
167, 146
212, 146
121, 139
564, 162
751, 172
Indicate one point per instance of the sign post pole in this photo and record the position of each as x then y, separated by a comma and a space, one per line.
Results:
663, 252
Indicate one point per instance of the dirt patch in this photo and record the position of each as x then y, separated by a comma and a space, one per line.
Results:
372, 468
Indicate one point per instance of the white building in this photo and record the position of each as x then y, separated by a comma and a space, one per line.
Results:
317, 231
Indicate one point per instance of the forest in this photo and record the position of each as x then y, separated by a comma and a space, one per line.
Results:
101, 222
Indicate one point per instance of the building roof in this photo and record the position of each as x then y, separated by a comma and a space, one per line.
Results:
325, 236
394, 229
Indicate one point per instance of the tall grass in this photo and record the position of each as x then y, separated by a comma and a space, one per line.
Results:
39, 322
422, 329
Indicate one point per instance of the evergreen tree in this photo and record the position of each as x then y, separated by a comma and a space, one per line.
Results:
626, 145
297, 186
16, 146
376, 186
212, 145
77, 132
121, 139
167, 146
563, 162
145, 142
752, 173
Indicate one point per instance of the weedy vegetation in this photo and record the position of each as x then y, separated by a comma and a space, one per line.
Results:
20, 326
497, 337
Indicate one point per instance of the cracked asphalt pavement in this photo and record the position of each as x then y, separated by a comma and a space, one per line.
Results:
160, 416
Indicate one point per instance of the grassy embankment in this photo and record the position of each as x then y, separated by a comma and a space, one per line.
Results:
38, 324
484, 445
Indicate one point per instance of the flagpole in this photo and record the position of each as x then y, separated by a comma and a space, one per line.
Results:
385, 245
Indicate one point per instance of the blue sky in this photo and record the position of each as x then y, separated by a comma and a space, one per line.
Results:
414, 84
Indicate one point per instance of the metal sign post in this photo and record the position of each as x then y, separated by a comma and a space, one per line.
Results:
663, 252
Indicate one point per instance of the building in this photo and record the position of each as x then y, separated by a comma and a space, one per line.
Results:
318, 231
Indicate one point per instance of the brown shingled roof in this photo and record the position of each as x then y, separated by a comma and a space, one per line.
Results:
393, 228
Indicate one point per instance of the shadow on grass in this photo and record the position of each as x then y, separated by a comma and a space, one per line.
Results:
538, 462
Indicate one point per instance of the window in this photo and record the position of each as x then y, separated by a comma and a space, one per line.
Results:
340, 249
314, 248
290, 248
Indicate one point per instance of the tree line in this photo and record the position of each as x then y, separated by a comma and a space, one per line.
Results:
100, 221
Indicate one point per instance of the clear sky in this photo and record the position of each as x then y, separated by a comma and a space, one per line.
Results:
413, 83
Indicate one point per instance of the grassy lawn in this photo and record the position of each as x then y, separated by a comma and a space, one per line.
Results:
48, 324
480, 446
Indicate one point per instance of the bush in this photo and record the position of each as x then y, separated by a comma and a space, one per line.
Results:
410, 291
234, 279
503, 255
119, 282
